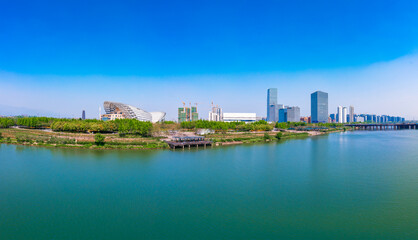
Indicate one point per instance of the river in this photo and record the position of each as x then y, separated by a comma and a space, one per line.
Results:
353, 185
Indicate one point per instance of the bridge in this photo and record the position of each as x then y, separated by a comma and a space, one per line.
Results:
383, 126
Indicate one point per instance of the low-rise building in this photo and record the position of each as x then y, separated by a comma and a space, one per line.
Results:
239, 117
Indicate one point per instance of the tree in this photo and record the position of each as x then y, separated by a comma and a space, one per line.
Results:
99, 139
1, 136
266, 136
279, 135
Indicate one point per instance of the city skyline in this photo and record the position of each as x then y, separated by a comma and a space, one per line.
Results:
129, 52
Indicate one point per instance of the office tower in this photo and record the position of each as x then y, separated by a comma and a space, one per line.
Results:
344, 114
216, 114
272, 108
293, 114
340, 114
351, 114
283, 115
319, 107
83, 115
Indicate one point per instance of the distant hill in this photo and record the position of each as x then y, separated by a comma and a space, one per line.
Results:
18, 111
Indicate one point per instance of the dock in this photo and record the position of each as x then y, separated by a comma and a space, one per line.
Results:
188, 142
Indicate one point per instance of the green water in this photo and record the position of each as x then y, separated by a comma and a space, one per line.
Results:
361, 185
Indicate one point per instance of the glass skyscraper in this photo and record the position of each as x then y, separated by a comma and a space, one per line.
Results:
319, 107
272, 108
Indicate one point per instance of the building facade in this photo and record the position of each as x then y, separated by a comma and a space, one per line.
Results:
83, 115
216, 114
239, 117
289, 114
319, 107
272, 108
339, 114
351, 119
115, 110
344, 115
187, 114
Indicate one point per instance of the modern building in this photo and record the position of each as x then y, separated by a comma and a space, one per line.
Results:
319, 107
359, 119
187, 114
351, 114
83, 115
344, 114
272, 107
239, 117
339, 114
115, 110
289, 114
293, 114
333, 117
216, 114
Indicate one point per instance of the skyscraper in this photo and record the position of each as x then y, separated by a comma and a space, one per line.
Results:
319, 107
351, 114
344, 115
340, 114
216, 114
83, 115
272, 108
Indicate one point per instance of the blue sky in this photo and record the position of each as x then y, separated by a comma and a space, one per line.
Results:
61, 58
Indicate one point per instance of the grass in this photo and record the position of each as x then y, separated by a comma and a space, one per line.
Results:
114, 141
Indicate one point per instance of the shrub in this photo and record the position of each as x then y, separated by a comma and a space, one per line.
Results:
99, 139
266, 136
279, 135
1, 136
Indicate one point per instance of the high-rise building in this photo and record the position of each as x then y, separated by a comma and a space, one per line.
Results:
216, 114
186, 114
293, 114
83, 115
319, 107
344, 115
283, 115
340, 114
272, 108
289, 114
351, 114
195, 115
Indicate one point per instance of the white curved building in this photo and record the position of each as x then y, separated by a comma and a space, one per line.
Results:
115, 110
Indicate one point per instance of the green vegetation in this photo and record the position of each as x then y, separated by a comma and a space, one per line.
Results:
134, 127
279, 135
34, 122
76, 125
224, 126
99, 139
6, 122
267, 136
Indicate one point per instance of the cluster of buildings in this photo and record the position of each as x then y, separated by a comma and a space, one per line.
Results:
276, 112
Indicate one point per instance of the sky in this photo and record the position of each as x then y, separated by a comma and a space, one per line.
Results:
58, 58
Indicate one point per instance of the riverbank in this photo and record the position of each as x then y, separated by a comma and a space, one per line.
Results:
48, 138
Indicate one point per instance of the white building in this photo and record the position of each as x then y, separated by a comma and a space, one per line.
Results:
239, 117
351, 114
216, 114
339, 114
344, 115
